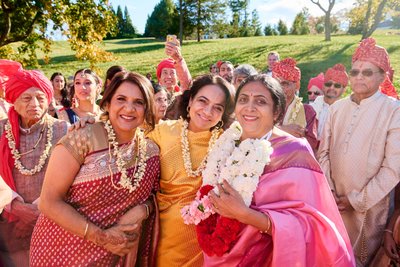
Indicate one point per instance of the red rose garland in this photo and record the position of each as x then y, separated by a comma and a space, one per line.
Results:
217, 234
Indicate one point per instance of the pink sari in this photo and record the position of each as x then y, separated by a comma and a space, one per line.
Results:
307, 227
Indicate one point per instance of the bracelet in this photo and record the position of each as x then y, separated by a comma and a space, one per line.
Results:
86, 230
269, 226
388, 231
147, 210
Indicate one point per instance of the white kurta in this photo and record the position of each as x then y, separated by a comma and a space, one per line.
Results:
360, 155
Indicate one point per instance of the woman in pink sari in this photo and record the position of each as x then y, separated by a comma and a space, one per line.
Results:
292, 219
98, 187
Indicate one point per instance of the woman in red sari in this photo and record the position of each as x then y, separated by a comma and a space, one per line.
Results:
98, 186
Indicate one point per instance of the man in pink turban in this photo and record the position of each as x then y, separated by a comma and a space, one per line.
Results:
314, 87
27, 137
334, 83
360, 151
300, 119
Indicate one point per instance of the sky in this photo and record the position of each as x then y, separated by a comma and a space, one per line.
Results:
269, 11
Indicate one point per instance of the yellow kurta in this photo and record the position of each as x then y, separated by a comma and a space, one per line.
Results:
178, 244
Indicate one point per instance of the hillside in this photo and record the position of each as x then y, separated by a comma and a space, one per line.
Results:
311, 52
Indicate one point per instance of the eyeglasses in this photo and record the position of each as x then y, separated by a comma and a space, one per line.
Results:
315, 93
366, 73
336, 85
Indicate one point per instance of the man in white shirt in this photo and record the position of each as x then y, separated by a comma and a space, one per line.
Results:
335, 82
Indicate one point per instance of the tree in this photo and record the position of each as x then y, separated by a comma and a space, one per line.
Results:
255, 23
300, 25
120, 22
129, 30
370, 24
269, 30
327, 21
25, 23
367, 14
282, 28
163, 20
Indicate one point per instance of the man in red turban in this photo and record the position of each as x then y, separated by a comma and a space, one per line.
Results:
335, 82
360, 151
314, 87
300, 119
27, 137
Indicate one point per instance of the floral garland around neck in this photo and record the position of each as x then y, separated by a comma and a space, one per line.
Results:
241, 165
17, 155
296, 110
186, 151
140, 163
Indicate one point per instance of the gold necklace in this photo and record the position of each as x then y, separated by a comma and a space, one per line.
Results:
140, 162
17, 155
186, 151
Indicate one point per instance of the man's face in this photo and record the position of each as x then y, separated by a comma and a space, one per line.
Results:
226, 71
333, 89
272, 59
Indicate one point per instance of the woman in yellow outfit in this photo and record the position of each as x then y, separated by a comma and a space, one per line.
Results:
184, 145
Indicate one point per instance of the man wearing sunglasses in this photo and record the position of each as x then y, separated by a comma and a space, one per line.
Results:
299, 119
314, 87
360, 152
335, 82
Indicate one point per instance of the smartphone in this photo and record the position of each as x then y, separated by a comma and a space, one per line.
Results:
172, 39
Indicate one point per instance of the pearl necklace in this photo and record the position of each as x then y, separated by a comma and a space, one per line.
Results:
140, 164
17, 155
186, 151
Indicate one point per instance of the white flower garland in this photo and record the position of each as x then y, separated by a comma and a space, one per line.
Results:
296, 109
186, 152
241, 166
124, 181
16, 154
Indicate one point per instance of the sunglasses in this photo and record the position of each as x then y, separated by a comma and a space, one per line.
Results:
366, 73
315, 93
336, 85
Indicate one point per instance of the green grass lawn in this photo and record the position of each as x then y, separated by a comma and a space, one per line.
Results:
312, 53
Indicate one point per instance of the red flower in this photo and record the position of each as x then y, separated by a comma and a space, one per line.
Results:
205, 189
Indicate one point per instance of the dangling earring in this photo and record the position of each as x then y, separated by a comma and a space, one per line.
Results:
188, 111
220, 124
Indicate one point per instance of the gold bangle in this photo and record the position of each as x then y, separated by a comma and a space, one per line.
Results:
269, 225
147, 210
388, 231
86, 229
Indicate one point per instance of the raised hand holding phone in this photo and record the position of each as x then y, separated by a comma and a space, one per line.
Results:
172, 47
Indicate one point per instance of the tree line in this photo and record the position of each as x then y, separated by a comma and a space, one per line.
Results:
27, 27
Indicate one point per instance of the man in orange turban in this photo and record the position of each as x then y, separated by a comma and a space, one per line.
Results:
300, 119
360, 151
335, 82
27, 137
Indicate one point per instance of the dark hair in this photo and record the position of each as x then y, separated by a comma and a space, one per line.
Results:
158, 88
110, 75
65, 95
273, 87
145, 88
204, 80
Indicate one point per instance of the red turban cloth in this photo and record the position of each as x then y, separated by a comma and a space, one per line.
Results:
317, 81
15, 81
165, 63
388, 88
369, 51
338, 74
286, 69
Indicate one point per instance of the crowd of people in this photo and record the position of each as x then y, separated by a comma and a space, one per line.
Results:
230, 168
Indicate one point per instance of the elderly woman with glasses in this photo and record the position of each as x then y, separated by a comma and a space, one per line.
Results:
27, 138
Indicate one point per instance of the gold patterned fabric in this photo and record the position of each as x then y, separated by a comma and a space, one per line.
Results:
178, 244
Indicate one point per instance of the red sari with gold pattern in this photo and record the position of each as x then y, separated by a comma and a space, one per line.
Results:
93, 195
